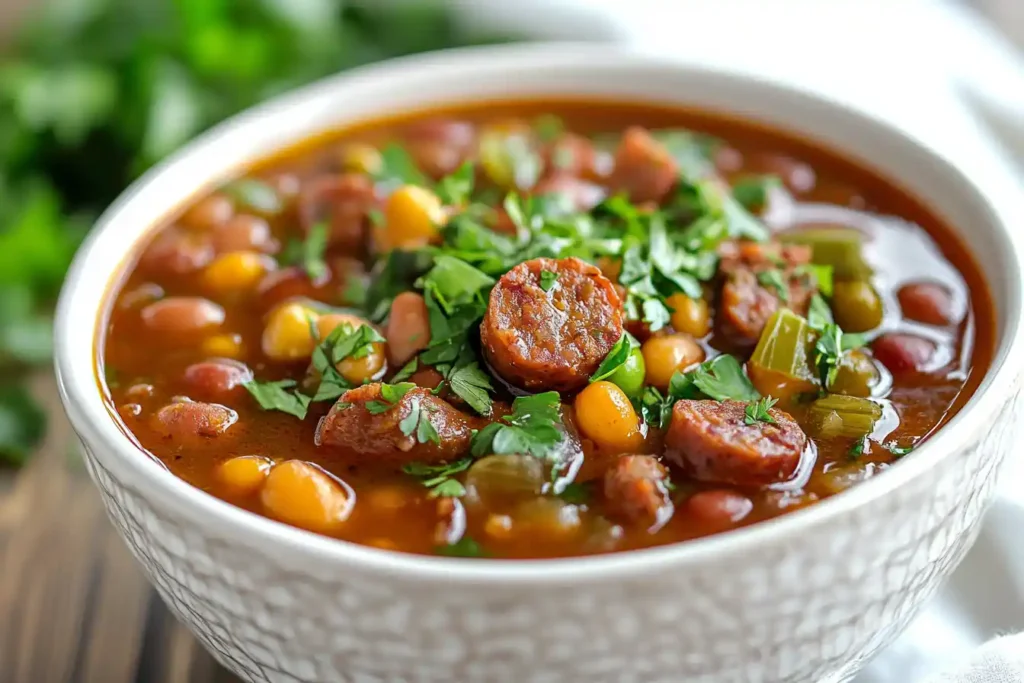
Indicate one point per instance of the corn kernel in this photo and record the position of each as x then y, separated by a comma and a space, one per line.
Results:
498, 526
224, 346
236, 272
361, 158
412, 217
286, 336
244, 474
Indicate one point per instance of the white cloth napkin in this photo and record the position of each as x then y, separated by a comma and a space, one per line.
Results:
998, 661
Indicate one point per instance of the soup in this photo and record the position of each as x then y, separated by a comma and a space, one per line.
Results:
543, 329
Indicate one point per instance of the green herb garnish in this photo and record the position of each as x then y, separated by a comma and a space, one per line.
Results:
390, 395
577, 493
721, 378
464, 547
857, 449
819, 315
548, 279
255, 195
438, 478
343, 342
829, 350
773, 280
280, 395
753, 191
616, 358
897, 450
308, 253
398, 168
457, 187
534, 427
757, 411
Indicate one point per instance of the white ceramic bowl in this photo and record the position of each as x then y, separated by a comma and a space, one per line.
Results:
807, 597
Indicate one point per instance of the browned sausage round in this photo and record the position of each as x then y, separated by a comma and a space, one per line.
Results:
644, 168
634, 488
711, 441
540, 340
344, 203
351, 425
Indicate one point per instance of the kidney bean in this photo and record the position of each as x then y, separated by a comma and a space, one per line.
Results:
926, 302
903, 353
720, 507
219, 378
182, 314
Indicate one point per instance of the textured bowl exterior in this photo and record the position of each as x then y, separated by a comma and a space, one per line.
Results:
807, 597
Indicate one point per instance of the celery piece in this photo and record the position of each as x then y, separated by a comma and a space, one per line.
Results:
841, 248
847, 416
781, 364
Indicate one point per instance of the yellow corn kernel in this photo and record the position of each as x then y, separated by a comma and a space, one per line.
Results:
244, 474
387, 499
286, 336
361, 158
412, 216
355, 370
498, 526
224, 346
236, 272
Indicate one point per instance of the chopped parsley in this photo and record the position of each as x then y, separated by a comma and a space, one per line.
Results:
721, 378
390, 395
418, 423
309, 252
857, 449
255, 195
753, 191
822, 276
774, 280
398, 168
577, 493
533, 427
616, 358
457, 188
819, 315
470, 383
896, 449
343, 342
464, 547
548, 279
548, 127
829, 350
280, 395
438, 478
757, 411
407, 371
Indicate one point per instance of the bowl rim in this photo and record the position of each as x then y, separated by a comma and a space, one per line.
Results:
113, 448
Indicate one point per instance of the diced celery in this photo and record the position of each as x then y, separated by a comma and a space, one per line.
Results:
841, 248
847, 416
781, 363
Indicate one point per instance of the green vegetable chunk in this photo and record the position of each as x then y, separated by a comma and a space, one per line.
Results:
781, 363
841, 248
846, 416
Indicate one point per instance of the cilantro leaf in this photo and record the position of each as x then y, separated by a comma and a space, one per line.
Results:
829, 350
753, 191
757, 411
343, 342
577, 493
548, 279
309, 252
457, 187
722, 378
533, 427
280, 395
896, 449
464, 547
472, 385
407, 371
857, 449
819, 314
773, 280
398, 168
255, 195
616, 358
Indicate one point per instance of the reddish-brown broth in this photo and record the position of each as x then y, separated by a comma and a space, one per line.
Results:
392, 510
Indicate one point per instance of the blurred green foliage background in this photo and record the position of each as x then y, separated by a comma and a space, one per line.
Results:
93, 92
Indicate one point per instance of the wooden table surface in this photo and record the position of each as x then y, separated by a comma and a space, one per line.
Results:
74, 605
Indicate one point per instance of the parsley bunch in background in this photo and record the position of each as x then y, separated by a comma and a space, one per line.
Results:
93, 92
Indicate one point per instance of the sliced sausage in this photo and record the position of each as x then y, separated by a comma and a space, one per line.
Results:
711, 441
217, 379
440, 145
351, 425
344, 203
635, 489
540, 340
644, 169
748, 298
190, 421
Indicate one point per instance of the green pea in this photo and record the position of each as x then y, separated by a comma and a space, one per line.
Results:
630, 375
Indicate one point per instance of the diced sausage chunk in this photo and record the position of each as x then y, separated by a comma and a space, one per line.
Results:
644, 169
408, 330
217, 379
189, 421
439, 146
719, 507
391, 434
711, 441
760, 279
903, 354
635, 490
554, 339
343, 203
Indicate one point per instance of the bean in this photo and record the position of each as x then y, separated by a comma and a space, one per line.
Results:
303, 495
903, 354
245, 474
665, 354
926, 302
408, 330
607, 418
182, 315
208, 213
719, 507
